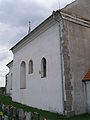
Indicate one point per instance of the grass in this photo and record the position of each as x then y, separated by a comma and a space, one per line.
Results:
44, 114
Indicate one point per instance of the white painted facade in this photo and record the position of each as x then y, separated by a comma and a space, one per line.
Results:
87, 86
43, 93
9, 78
53, 93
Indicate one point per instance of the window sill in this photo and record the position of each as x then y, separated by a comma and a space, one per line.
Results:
22, 88
43, 77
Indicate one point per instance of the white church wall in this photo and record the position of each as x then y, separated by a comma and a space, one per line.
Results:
43, 93
9, 81
88, 96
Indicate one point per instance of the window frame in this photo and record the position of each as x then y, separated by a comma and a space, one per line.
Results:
43, 68
30, 67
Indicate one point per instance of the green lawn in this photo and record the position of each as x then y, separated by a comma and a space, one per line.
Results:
50, 116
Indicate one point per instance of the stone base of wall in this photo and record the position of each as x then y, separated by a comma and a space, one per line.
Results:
69, 113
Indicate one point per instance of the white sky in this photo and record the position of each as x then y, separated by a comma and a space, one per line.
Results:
14, 17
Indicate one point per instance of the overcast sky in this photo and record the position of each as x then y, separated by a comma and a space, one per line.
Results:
14, 18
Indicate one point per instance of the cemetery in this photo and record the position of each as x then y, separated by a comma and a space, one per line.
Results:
10, 110
11, 113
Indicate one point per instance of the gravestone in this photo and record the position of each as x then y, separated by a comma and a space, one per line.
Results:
21, 114
3, 107
17, 113
36, 116
5, 110
11, 112
5, 117
29, 116
14, 112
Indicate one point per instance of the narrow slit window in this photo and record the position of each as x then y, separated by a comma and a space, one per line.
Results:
43, 68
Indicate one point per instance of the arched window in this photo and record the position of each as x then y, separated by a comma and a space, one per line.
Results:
43, 67
23, 75
30, 67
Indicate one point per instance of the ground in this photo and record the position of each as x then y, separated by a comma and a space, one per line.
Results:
44, 114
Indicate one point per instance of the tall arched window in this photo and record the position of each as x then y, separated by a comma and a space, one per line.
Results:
23, 75
30, 67
43, 67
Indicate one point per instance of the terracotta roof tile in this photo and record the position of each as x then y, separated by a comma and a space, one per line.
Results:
87, 76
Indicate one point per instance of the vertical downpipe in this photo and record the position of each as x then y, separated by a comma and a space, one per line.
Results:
61, 57
61, 61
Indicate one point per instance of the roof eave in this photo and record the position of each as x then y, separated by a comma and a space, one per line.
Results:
86, 80
38, 27
11, 62
30, 33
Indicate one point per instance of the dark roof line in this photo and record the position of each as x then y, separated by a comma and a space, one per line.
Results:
9, 63
30, 33
33, 30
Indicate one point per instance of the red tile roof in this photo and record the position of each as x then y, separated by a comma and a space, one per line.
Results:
87, 76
